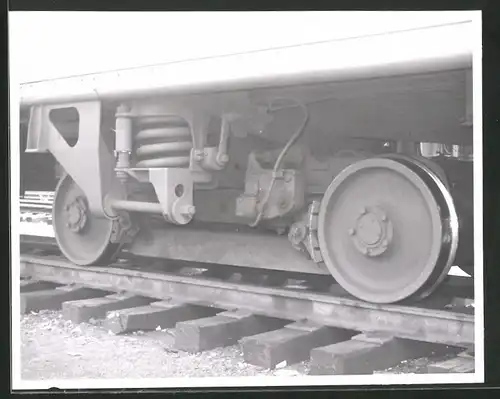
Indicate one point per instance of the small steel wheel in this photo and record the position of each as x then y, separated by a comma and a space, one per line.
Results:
82, 237
388, 229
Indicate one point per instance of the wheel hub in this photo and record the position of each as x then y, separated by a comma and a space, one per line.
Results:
372, 232
76, 214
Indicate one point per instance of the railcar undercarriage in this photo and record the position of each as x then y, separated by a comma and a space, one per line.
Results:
367, 181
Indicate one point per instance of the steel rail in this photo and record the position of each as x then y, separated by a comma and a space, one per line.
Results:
35, 206
415, 323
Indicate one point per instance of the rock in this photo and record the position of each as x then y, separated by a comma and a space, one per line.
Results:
281, 365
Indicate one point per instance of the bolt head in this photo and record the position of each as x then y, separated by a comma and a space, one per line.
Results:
188, 210
198, 156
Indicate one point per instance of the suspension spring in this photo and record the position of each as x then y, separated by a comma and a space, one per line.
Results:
162, 142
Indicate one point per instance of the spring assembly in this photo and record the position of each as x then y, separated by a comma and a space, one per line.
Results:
162, 142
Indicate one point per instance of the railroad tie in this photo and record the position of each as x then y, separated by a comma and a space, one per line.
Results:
163, 314
223, 329
80, 311
368, 352
36, 285
461, 363
292, 343
53, 299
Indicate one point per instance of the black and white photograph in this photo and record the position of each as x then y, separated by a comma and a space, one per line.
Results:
246, 199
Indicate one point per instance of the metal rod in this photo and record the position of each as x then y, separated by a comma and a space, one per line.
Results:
137, 206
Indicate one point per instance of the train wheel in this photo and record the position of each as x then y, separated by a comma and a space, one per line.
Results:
82, 237
388, 229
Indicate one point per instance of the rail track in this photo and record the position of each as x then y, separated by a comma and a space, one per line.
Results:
275, 317
37, 201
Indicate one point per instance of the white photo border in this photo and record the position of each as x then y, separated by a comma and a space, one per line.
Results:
377, 379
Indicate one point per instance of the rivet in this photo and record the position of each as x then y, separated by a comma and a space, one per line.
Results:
351, 232
362, 211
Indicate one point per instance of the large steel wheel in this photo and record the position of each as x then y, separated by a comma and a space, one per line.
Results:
388, 229
82, 237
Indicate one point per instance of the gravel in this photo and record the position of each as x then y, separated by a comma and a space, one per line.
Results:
53, 348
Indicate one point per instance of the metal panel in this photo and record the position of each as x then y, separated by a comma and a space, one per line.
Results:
414, 51
235, 247
137, 47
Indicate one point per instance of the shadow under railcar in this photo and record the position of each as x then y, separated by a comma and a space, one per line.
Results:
38, 172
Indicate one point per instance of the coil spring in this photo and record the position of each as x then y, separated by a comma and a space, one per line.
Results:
163, 142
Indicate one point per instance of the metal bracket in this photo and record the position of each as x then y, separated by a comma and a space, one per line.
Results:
174, 188
311, 242
216, 158
89, 162
124, 231
304, 235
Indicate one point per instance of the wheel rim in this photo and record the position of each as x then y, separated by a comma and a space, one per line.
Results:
436, 180
381, 230
82, 237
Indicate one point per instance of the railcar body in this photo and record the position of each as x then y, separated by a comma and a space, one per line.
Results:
350, 158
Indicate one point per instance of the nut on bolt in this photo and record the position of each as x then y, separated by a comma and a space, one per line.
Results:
198, 155
222, 159
297, 233
188, 210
